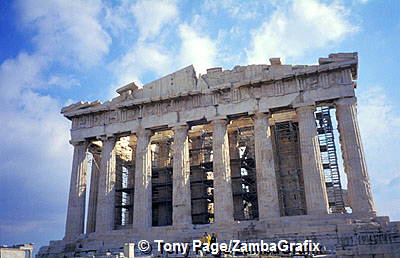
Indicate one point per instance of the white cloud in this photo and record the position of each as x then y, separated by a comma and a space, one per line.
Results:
23, 72
152, 15
303, 25
30, 121
118, 18
377, 116
138, 60
196, 49
67, 30
64, 31
63, 81
235, 9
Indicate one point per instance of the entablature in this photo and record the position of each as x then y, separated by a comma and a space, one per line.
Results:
211, 98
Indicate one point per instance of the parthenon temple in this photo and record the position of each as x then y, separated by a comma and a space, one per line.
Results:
269, 151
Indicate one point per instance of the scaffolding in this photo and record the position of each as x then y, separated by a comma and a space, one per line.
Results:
288, 166
329, 159
243, 169
161, 150
125, 181
123, 194
201, 175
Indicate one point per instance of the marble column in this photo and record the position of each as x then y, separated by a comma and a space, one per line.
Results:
223, 198
267, 189
94, 187
314, 180
105, 217
142, 205
359, 187
181, 201
77, 192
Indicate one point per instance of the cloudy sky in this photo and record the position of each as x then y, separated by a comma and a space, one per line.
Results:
54, 53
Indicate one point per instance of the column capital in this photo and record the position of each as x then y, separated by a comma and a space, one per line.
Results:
346, 101
104, 138
303, 104
177, 128
79, 143
144, 132
94, 148
219, 121
261, 115
305, 108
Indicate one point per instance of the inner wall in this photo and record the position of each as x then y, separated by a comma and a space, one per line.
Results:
161, 180
201, 174
243, 168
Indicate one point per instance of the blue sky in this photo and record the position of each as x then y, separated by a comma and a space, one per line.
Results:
54, 53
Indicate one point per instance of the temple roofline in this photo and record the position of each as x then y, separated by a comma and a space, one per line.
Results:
184, 82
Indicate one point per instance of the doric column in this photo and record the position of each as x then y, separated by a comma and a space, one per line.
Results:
223, 199
359, 186
105, 217
267, 191
77, 192
181, 201
314, 180
142, 215
94, 187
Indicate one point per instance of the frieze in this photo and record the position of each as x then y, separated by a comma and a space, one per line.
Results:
98, 119
247, 92
253, 92
132, 114
279, 88
225, 97
170, 106
323, 80
235, 95
268, 89
311, 82
340, 78
113, 116
215, 98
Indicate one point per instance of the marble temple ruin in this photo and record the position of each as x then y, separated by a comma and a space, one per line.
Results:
249, 153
